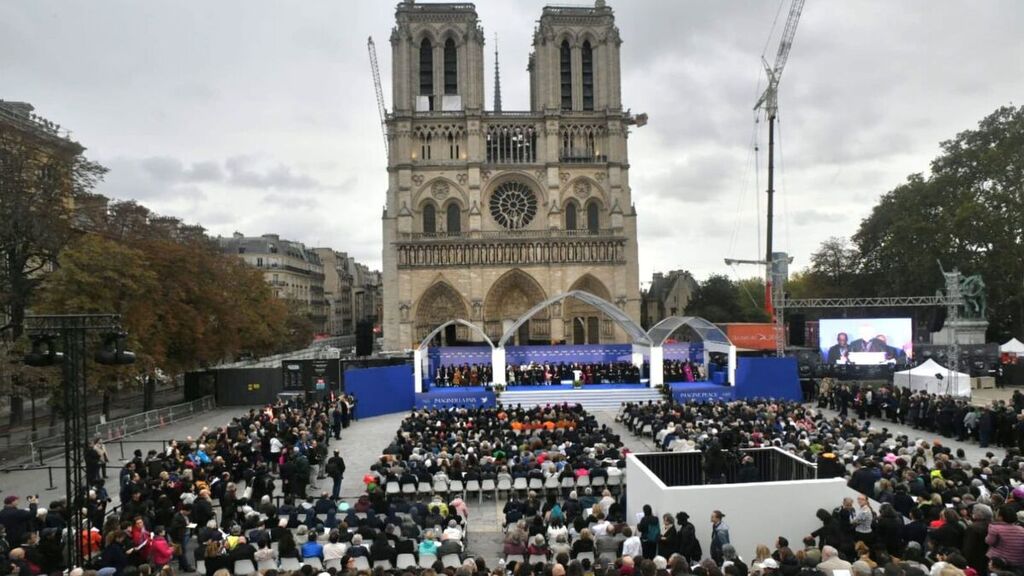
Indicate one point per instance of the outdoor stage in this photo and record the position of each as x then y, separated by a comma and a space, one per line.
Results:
591, 396
389, 389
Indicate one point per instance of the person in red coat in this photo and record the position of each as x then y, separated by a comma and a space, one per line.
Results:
160, 550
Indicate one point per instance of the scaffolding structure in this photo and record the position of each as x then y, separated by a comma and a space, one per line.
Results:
952, 300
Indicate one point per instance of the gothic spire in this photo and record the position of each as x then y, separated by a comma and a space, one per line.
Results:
497, 77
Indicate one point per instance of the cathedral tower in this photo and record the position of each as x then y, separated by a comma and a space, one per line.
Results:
491, 212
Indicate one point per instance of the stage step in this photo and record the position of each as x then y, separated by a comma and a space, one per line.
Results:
589, 399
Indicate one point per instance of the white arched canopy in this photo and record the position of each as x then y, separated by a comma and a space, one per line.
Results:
711, 335
426, 341
635, 332
419, 359
713, 338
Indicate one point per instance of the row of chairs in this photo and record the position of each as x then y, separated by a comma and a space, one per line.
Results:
522, 485
534, 558
248, 567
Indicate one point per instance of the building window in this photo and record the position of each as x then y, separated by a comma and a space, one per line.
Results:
454, 219
429, 219
570, 215
451, 71
453, 146
511, 144
588, 76
259, 262
593, 217
426, 68
565, 68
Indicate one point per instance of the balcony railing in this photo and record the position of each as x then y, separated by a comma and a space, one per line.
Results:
509, 234
584, 159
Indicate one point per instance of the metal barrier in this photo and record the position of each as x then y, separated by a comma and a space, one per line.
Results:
114, 431
687, 468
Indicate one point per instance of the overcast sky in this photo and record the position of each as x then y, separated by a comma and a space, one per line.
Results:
259, 116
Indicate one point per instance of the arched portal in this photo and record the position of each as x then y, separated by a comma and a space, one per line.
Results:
585, 323
439, 304
510, 296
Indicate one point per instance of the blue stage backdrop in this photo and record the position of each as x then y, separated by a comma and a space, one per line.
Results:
767, 378
383, 390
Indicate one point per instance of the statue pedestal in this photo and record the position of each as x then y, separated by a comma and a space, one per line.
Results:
968, 331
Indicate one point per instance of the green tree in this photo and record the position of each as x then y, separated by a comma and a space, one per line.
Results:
968, 213
751, 300
716, 299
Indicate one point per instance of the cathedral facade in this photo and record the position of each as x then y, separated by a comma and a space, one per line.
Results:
490, 212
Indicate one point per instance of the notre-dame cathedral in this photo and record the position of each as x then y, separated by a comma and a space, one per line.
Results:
490, 212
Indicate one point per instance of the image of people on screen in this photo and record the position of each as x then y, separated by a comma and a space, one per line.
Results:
878, 341
840, 353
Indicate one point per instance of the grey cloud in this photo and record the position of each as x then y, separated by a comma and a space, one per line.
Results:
869, 92
280, 176
292, 201
168, 169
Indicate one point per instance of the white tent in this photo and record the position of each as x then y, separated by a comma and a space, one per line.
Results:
934, 378
1014, 346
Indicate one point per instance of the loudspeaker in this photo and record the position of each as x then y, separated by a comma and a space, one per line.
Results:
797, 324
364, 338
937, 319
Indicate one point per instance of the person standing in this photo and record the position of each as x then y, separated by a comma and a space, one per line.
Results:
650, 532
668, 544
16, 520
101, 451
862, 521
719, 535
335, 469
336, 419
179, 532
689, 545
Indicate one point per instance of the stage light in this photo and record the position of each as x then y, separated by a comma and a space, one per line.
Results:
44, 352
113, 353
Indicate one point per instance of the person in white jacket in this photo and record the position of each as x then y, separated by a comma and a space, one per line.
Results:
631, 545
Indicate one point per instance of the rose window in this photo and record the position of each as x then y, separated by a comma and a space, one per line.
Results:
513, 205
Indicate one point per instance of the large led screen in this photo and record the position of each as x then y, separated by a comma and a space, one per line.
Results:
866, 341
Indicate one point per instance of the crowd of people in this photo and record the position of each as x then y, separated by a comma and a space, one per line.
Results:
1001, 424
494, 448
258, 471
934, 506
263, 493
535, 374
541, 374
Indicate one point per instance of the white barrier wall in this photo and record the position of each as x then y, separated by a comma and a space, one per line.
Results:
755, 513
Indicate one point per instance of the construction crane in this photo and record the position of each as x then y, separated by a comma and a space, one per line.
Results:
769, 102
372, 49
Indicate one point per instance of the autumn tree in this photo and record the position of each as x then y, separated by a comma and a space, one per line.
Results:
41, 174
96, 275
